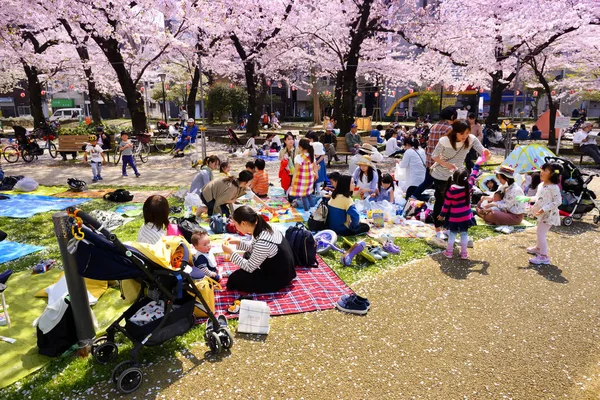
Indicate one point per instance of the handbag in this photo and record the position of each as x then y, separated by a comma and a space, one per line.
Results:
318, 219
206, 286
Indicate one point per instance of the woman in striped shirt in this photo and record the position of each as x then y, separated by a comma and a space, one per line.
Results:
449, 155
156, 220
270, 266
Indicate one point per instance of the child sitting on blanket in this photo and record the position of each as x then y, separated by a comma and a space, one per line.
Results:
385, 191
260, 183
205, 263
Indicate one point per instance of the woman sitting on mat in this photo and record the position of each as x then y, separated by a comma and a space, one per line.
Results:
156, 220
270, 266
510, 212
342, 217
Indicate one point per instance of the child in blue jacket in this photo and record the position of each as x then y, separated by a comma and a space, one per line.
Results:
342, 216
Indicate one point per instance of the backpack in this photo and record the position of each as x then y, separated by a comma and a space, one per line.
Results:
318, 219
119, 196
188, 226
217, 224
303, 245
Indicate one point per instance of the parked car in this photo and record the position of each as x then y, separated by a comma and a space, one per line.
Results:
66, 113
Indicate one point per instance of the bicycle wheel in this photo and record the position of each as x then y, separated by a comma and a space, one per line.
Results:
164, 143
189, 149
52, 150
11, 154
27, 156
117, 155
144, 152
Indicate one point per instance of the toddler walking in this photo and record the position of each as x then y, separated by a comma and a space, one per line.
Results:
96, 157
457, 209
126, 148
547, 200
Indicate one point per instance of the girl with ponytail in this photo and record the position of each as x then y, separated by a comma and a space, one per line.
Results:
304, 177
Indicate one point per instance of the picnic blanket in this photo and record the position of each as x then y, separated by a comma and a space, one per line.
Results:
138, 196
12, 250
407, 229
523, 224
132, 210
269, 158
22, 358
285, 212
41, 190
27, 205
314, 289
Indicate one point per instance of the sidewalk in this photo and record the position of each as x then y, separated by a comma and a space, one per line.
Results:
491, 327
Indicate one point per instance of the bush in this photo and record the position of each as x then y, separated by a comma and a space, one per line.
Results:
25, 122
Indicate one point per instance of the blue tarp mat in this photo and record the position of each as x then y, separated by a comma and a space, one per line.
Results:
12, 250
27, 205
269, 158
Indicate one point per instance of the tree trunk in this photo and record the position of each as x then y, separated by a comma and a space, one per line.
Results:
110, 105
193, 93
346, 116
496, 98
35, 94
552, 106
315, 97
337, 95
256, 98
135, 101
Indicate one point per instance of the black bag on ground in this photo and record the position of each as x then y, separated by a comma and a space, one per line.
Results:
318, 219
119, 196
61, 337
303, 245
188, 226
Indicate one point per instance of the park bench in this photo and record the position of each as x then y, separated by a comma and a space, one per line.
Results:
577, 152
342, 149
72, 144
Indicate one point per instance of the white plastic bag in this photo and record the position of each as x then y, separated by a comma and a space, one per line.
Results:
191, 200
400, 177
254, 317
362, 205
26, 185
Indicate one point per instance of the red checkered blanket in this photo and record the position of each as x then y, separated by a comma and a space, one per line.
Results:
313, 289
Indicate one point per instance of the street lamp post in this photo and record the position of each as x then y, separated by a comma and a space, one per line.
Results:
162, 77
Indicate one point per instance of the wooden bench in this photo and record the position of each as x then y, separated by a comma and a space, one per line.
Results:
577, 152
342, 149
72, 144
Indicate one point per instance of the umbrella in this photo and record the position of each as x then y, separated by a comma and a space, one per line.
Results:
528, 158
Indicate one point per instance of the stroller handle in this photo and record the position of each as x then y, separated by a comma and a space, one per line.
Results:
88, 219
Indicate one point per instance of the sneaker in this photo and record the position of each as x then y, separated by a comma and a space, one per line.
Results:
533, 250
380, 251
94, 179
124, 174
99, 178
470, 244
448, 253
508, 230
539, 259
390, 247
345, 297
373, 253
138, 175
352, 305
437, 242
441, 235
464, 255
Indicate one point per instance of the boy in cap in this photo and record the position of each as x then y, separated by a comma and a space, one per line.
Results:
96, 157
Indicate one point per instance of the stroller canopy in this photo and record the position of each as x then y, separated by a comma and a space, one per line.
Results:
528, 158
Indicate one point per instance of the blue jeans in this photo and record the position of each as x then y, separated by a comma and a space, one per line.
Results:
180, 145
129, 160
427, 183
307, 201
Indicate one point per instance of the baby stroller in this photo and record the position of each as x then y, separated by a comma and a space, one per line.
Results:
27, 144
164, 280
577, 198
234, 139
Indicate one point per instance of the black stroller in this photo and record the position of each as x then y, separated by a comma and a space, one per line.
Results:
577, 198
27, 144
234, 139
100, 255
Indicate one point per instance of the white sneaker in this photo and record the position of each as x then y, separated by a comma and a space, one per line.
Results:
441, 235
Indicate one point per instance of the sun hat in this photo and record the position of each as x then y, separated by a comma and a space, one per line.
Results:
366, 160
505, 171
91, 138
319, 149
191, 120
366, 148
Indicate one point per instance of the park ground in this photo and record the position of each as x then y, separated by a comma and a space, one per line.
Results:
487, 328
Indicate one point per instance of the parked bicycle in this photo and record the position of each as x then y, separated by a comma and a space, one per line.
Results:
141, 147
26, 147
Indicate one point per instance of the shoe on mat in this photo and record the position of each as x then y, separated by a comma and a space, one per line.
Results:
533, 250
390, 247
448, 253
375, 254
352, 305
359, 299
437, 242
539, 260
380, 251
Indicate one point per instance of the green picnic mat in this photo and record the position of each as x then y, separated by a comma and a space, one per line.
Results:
40, 191
21, 358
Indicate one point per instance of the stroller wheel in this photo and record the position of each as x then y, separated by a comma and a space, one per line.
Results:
120, 368
567, 221
226, 338
597, 219
214, 342
105, 352
130, 380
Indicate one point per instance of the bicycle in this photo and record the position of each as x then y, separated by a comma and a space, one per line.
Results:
165, 141
141, 148
25, 147
47, 133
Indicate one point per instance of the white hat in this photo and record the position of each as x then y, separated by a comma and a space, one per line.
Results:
318, 148
191, 120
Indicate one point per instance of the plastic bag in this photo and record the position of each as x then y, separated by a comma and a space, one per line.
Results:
191, 200
362, 205
26, 185
400, 177
388, 209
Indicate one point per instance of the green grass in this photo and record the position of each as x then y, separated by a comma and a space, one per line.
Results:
71, 376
